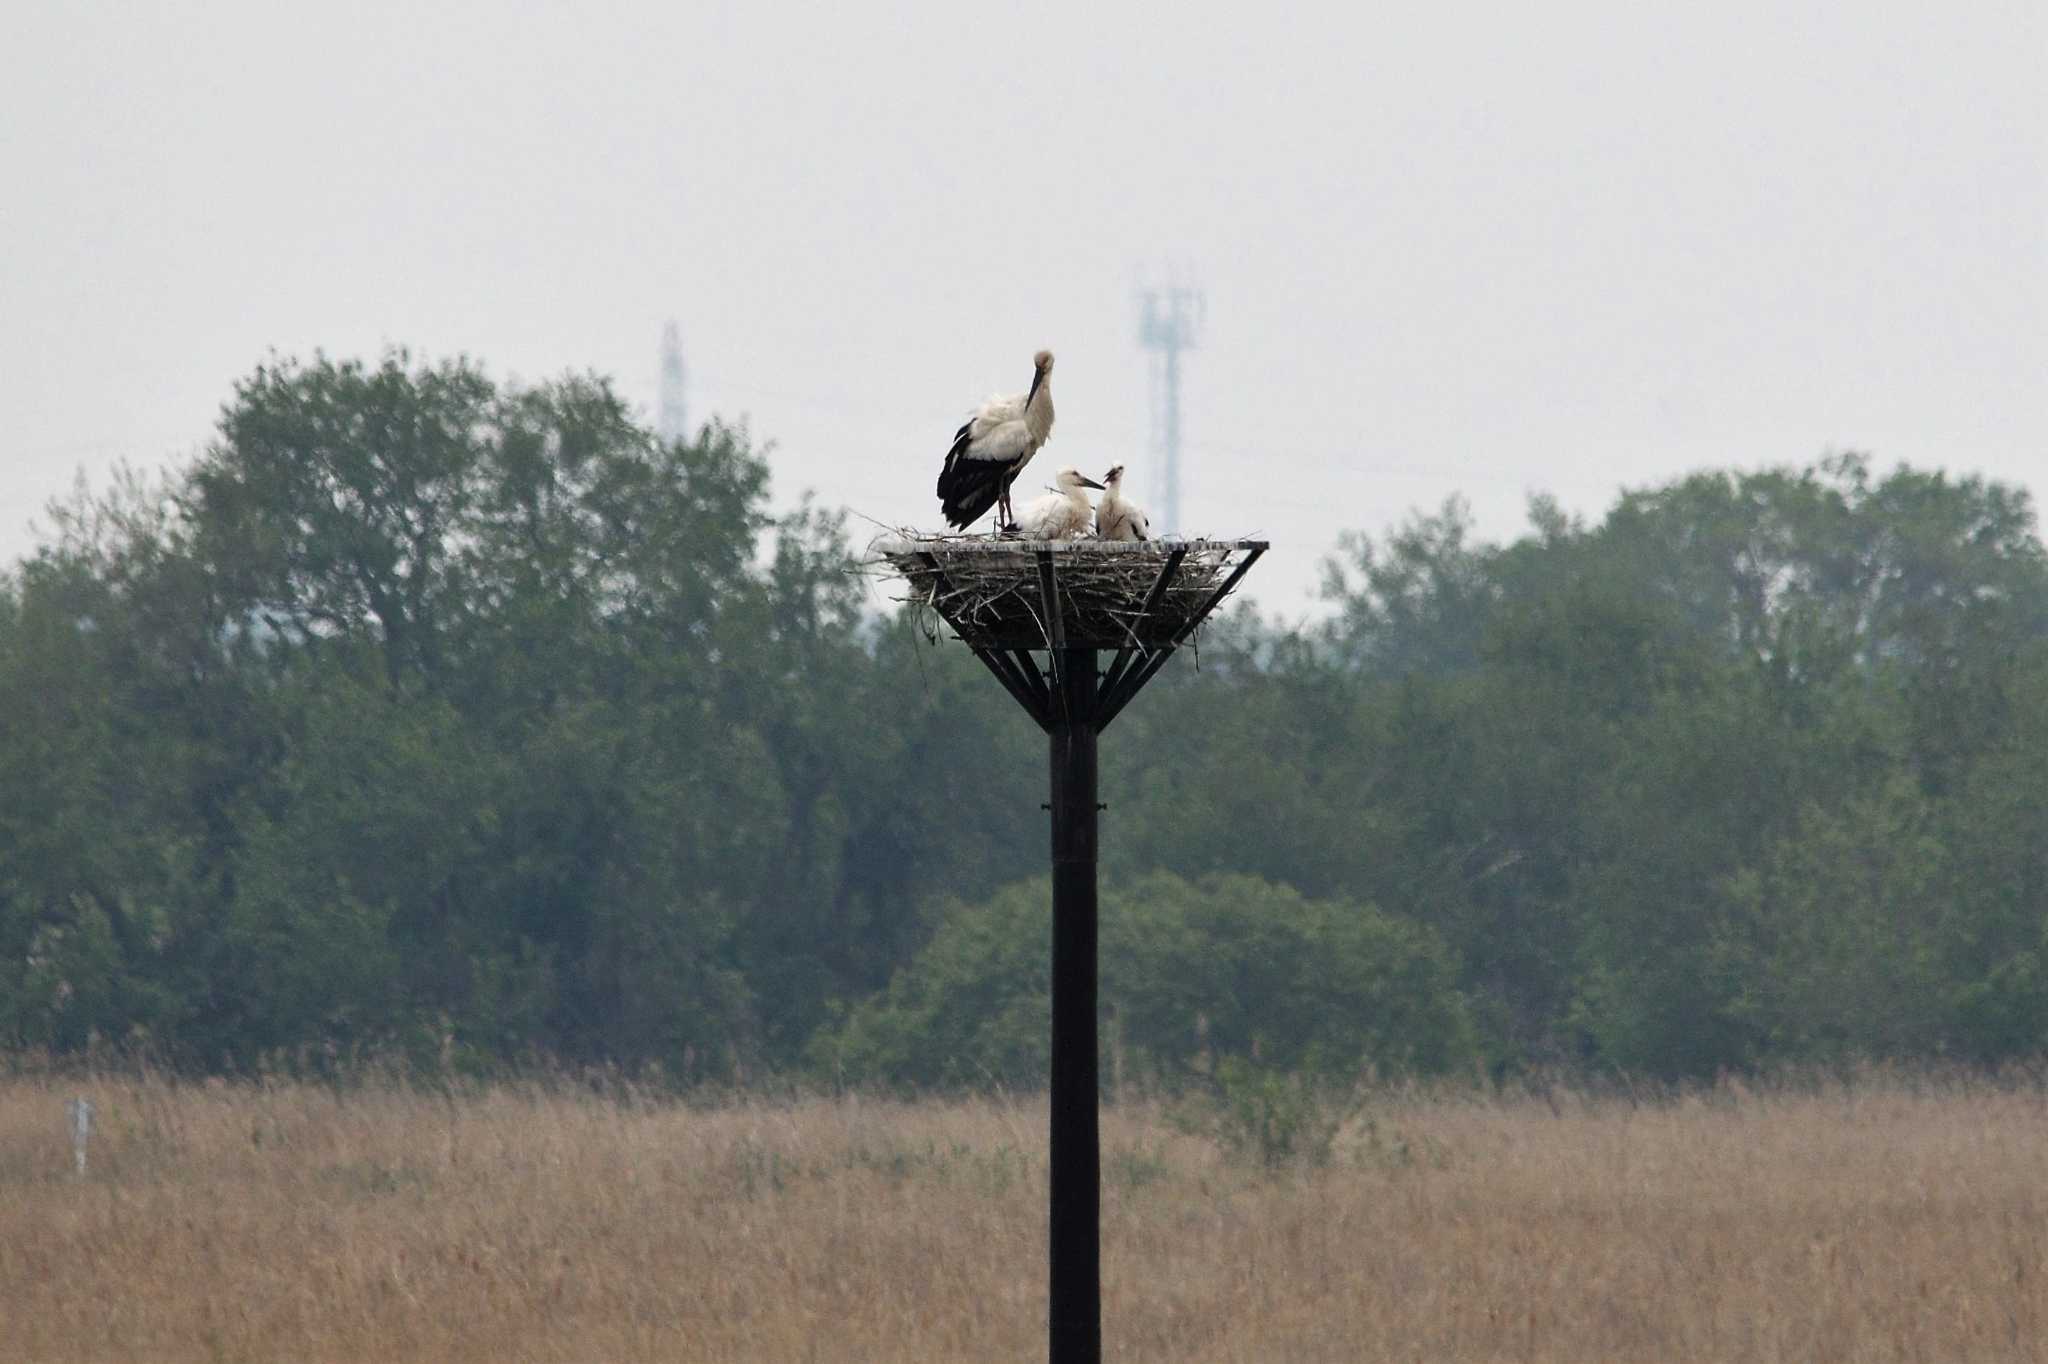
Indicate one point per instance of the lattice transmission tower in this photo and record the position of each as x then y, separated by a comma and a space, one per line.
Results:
671, 422
1169, 322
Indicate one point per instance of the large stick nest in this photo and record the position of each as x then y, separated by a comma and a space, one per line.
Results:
1105, 594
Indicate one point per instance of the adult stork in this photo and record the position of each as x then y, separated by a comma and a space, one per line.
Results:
992, 447
1116, 516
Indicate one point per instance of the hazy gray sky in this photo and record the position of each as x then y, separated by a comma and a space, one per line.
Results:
1478, 249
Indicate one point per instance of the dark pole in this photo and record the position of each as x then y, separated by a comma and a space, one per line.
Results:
1072, 702
1074, 1321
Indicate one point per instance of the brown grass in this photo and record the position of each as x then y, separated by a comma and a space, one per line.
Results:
1888, 1220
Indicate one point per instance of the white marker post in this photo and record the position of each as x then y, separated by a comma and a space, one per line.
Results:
81, 1130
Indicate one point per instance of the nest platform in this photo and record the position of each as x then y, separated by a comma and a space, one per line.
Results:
1009, 599
1070, 594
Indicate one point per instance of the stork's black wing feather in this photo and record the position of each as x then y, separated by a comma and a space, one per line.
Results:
953, 456
969, 487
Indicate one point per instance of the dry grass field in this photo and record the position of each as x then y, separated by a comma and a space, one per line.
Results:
1891, 1219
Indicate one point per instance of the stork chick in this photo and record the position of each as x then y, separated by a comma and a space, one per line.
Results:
1061, 514
992, 447
1117, 518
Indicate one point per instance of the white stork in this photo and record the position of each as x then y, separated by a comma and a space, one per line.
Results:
993, 446
1062, 513
1117, 518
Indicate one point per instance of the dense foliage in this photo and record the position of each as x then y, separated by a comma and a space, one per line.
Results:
425, 714
1193, 974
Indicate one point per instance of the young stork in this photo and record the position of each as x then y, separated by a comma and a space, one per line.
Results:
992, 447
1061, 514
1115, 517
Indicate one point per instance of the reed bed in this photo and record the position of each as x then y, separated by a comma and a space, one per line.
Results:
1890, 1218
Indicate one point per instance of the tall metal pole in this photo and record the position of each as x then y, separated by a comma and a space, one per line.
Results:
1074, 1321
1073, 701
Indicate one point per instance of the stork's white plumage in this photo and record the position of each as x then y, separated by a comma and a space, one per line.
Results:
1061, 514
1116, 517
992, 446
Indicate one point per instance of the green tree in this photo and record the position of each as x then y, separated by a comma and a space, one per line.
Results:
1845, 920
1193, 971
1418, 603
109, 802
332, 504
1995, 830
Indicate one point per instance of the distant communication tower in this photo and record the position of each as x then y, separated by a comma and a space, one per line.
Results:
670, 423
1169, 321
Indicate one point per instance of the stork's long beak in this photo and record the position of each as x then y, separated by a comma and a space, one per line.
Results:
1037, 378
1088, 482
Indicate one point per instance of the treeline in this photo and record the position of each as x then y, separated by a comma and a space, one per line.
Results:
425, 716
